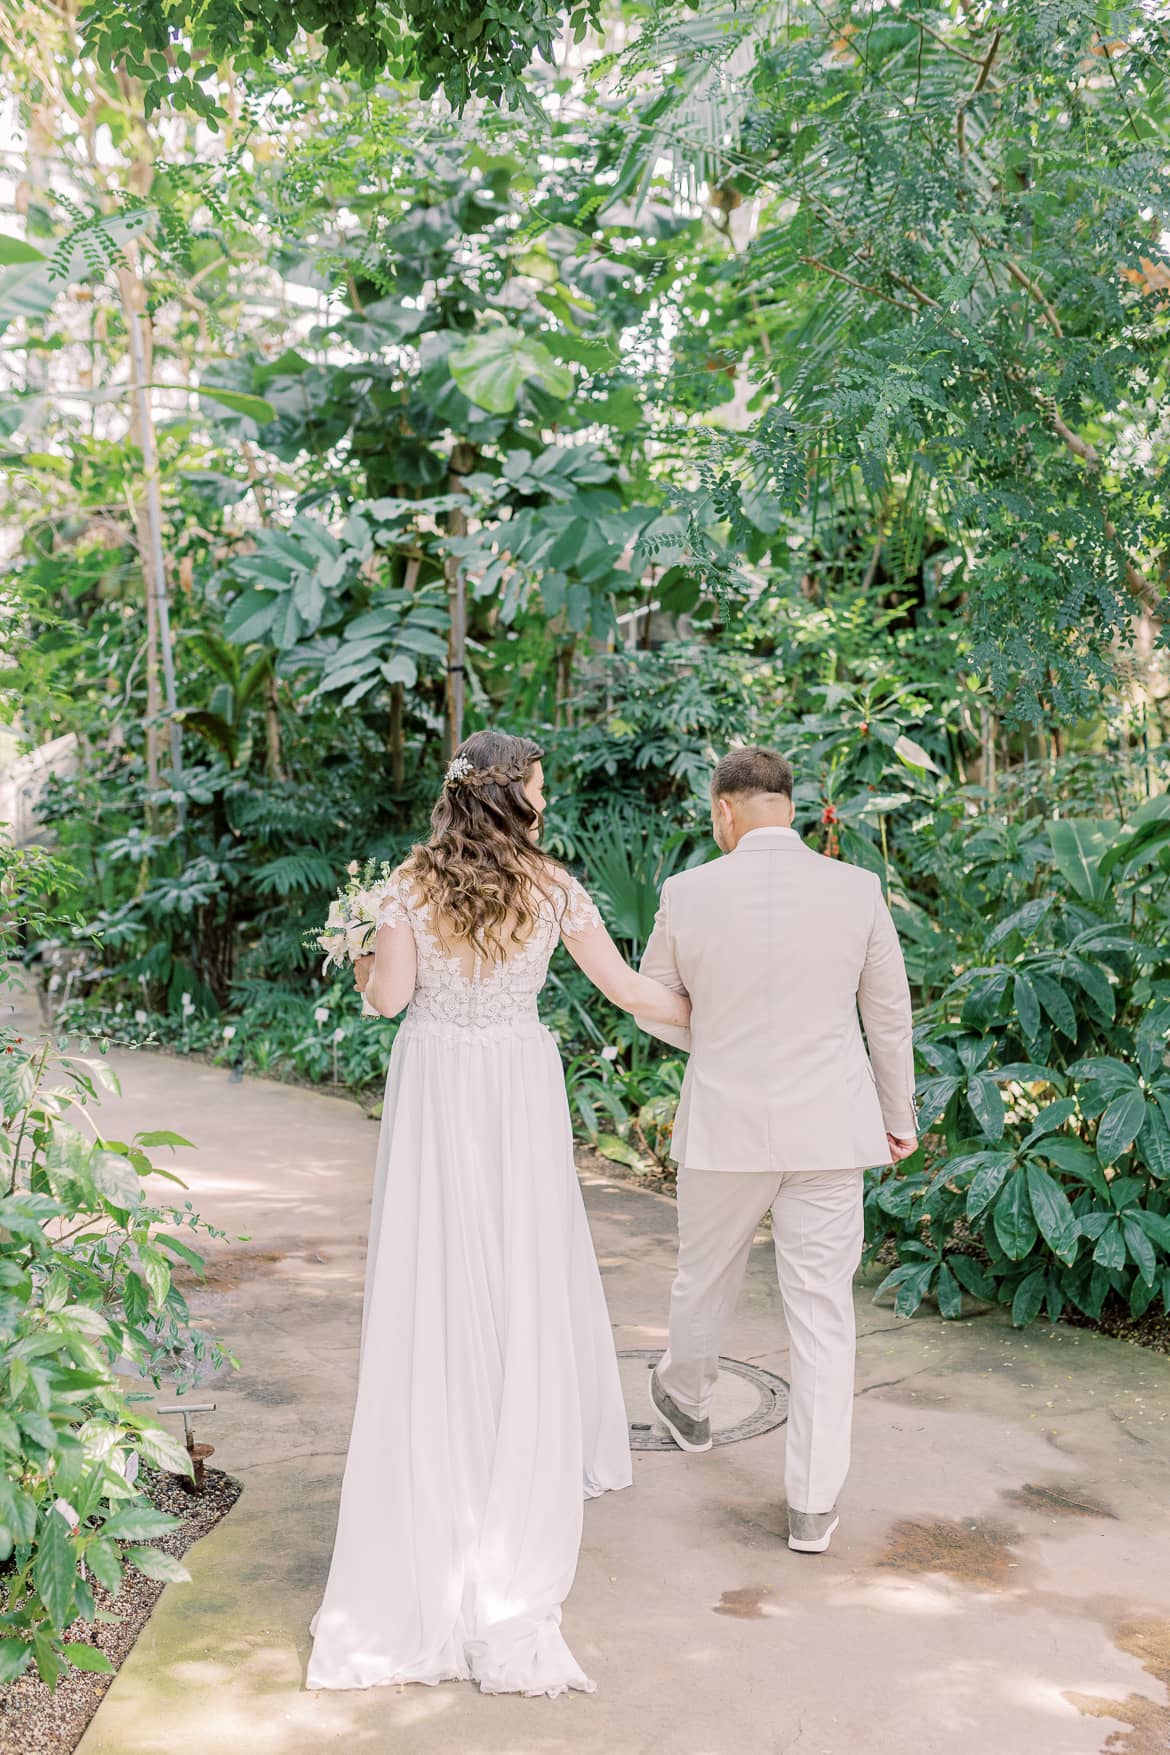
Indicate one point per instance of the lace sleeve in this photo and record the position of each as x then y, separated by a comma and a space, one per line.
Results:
580, 912
391, 910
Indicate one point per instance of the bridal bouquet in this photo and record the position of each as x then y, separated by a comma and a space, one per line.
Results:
351, 925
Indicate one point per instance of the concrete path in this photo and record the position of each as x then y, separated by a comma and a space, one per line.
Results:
1000, 1584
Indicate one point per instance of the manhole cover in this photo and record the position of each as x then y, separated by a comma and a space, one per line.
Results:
748, 1401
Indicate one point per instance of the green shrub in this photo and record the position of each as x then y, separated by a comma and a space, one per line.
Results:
1047, 1100
88, 1308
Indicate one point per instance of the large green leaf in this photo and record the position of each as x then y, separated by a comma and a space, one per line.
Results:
1120, 1126
1051, 1118
1078, 847
17, 250
933, 1097
1022, 920
1143, 838
1110, 1250
155, 1563
987, 1181
254, 407
1140, 1249
1027, 1007
251, 616
1012, 1217
914, 755
105, 1563
983, 1094
1029, 1297
116, 1179
1057, 1004
1112, 1075
55, 1569
1053, 1213
1154, 1143
138, 1523
18, 1509
15, 1657
493, 366
948, 1293
87, 1657
972, 1277
1093, 981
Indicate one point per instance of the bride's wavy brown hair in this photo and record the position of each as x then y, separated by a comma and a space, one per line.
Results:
481, 870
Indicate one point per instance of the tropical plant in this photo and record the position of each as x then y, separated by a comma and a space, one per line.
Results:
1047, 1103
87, 1283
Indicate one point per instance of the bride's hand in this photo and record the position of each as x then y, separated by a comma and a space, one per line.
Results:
362, 970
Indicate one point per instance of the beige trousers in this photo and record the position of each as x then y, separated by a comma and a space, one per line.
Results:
817, 1232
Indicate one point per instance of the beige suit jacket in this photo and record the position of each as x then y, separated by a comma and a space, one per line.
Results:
778, 948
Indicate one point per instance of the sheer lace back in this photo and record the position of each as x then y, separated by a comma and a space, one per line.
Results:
463, 992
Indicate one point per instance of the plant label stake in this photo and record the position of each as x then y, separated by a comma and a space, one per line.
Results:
198, 1453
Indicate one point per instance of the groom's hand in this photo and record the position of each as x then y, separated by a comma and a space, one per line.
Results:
362, 970
900, 1148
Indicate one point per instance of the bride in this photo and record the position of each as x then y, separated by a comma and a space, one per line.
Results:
488, 1401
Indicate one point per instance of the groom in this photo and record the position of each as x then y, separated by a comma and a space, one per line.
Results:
781, 1109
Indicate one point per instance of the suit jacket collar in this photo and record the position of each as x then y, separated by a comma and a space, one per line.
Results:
770, 841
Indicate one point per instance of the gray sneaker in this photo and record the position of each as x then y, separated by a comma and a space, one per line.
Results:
687, 1432
810, 1532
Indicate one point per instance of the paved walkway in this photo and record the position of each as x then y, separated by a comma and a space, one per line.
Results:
1000, 1584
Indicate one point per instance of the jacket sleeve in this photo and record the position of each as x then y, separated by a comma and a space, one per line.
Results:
658, 962
883, 996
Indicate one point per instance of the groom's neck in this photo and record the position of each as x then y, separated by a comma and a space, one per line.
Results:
761, 816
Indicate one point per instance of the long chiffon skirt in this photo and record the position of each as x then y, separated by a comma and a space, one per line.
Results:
488, 1403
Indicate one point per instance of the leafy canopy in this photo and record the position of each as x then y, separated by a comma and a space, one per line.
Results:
466, 48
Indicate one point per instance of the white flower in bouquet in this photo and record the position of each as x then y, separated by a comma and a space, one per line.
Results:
351, 924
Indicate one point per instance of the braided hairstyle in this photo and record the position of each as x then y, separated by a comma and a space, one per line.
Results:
481, 870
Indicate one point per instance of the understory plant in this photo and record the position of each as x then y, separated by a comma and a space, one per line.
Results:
90, 1315
1045, 1177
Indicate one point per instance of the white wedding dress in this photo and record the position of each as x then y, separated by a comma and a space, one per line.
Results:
488, 1402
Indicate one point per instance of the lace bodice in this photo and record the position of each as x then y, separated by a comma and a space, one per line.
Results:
448, 998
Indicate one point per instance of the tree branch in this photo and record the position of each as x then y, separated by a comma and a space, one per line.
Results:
1022, 278
988, 62
873, 291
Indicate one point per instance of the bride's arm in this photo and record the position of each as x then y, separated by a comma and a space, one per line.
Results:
389, 984
595, 952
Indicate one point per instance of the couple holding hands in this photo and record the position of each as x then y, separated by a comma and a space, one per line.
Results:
489, 1405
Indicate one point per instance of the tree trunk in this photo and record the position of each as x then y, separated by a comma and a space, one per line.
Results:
463, 458
272, 750
273, 762
990, 728
564, 696
149, 519
397, 752
33, 197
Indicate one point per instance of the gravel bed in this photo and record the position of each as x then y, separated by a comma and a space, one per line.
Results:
35, 1722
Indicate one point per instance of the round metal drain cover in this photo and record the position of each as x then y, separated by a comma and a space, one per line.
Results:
748, 1401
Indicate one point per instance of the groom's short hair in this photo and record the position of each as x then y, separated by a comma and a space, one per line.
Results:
750, 771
